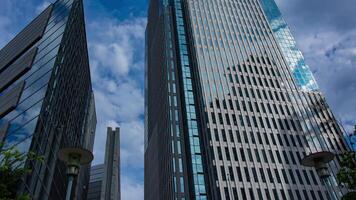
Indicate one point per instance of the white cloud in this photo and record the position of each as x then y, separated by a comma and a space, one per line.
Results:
132, 144
131, 190
115, 47
116, 50
118, 93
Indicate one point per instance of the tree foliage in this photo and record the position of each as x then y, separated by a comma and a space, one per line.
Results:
347, 174
12, 168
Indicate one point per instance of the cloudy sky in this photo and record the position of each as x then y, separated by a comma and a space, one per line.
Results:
325, 30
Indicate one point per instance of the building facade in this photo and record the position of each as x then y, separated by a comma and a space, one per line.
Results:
239, 113
45, 94
95, 182
105, 178
82, 185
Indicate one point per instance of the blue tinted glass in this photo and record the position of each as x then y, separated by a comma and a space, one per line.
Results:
300, 70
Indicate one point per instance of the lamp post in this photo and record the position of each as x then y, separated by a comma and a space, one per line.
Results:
319, 161
74, 158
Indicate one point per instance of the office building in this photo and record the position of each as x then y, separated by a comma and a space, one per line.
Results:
45, 95
82, 185
232, 110
105, 178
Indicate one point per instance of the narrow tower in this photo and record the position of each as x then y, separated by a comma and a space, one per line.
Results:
105, 178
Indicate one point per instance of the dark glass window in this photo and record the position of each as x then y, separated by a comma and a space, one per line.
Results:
291, 175
276, 173
251, 194
239, 175
247, 175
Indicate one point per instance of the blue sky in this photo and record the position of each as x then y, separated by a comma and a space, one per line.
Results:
325, 30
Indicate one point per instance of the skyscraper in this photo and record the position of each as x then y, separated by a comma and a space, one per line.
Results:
45, 94
105, 178
89, 137
232, 110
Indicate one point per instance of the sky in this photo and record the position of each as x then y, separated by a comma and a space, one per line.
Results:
325, 31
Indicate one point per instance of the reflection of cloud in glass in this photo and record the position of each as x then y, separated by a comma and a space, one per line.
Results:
23, 119
301, 72
21, 133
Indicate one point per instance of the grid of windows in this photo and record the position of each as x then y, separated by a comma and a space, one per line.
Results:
24, 118
260, 114
256, 115
190, 110
54, 101
174, 113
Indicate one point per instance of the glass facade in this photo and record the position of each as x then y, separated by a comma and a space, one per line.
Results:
248, 107
53, 106
24, 118
301, 72
189, 108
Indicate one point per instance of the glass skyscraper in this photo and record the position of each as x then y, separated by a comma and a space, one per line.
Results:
46, 97
232, 110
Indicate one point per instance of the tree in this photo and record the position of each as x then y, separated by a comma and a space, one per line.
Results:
12, 168
347, 174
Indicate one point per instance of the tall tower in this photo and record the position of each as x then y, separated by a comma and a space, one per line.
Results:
232, 110
45, 94
105, 178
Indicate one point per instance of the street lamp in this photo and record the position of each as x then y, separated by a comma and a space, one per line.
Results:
74, 158
319, 161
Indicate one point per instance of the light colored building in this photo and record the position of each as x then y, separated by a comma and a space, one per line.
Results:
232, 110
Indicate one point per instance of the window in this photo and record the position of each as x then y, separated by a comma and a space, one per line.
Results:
292, 157
223, 175
234, 152
227, 153
262, 175
251, 194
313, 177
255, 177
285, 176
264, 155
239, 175
245, 137
306, 177
242, 155
247, 175
299, 177
298, 194
243, 193
279, 157
223, 135
257, 155
271, 155
250, 155
290, 193
283, 194
277, 176
275, 194
291, 175
305, 194
266, 138
259, 193
267, 194
259, 138
270, 175
231, 174
219, 153
285, 157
